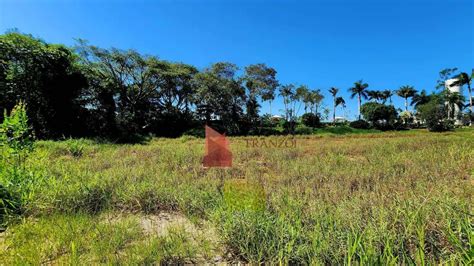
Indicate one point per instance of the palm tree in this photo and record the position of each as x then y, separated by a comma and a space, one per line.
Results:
269, 96
359, 89
453, 100
465, 79
386, 95
315, 100
339, 101
420, 99
301, 95
406, 92
334, 92
306, 98
287, 92
374, 95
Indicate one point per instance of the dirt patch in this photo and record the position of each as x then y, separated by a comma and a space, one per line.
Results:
161, 224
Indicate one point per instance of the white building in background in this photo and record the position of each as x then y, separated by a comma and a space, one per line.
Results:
277, 117
340, 119
457, 89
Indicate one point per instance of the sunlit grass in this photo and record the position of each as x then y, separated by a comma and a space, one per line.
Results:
378, 198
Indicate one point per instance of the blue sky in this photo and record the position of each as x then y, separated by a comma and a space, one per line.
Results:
317, 43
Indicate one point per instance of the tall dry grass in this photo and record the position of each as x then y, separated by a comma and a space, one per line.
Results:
385, 198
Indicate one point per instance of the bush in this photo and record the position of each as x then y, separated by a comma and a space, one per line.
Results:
360, 124
75, 147
303, 130
407, 117
381, 116
9, 204
286, 127
467, 119
311, 120
196, 132
434, 115
15, 134
264, 131
16, 142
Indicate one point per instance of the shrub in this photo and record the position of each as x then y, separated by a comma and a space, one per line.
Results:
303, 130
289, 127
16, 137
406, 117
467, 119
434, 115
75, 147
16, 142
311, 120
196, 132
265, 131
9, 204
381, 116
360, 124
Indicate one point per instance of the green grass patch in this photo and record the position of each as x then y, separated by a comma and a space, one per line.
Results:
378, 198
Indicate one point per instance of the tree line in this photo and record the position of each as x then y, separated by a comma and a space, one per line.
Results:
88, 91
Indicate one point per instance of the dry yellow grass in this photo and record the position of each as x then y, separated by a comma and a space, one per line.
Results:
396, 197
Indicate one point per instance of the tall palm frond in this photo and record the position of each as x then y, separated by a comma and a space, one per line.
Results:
406, 92
359, 90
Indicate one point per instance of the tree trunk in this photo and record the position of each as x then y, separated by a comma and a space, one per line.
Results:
334, 112
271, 117
406, 103
359, 102
470, 98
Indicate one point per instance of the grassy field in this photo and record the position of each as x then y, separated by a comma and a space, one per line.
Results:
378, 198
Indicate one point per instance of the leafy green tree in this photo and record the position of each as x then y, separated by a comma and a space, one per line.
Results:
171, 102
46, 77
310, 120
359, 90
260, 81
220, 96
126, 78
406, 92
434, 115
379, 115
131, 94
174, 86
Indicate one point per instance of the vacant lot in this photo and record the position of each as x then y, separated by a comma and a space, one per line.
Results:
369, 198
